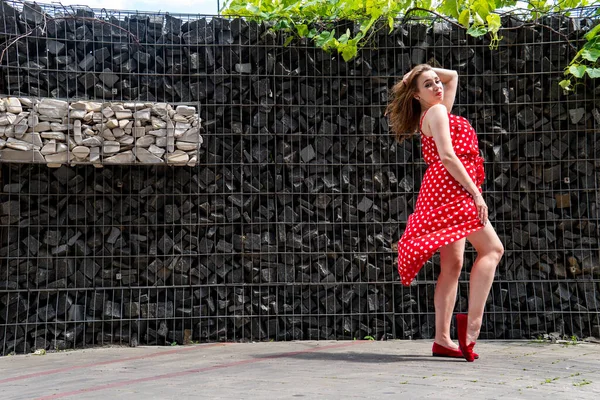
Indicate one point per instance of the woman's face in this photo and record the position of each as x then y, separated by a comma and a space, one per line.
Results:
430, 90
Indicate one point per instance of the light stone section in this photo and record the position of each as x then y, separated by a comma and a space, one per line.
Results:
56, 132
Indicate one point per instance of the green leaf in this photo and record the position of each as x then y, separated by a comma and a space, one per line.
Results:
391, 23
494, 22
591, 54
565, 84
465, 17
477, 30
577, 70
288, 41
593, 72
302, 30
348, 51
449, 7
252, 8
594, 32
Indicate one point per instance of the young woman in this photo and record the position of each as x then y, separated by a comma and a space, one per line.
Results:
450, 207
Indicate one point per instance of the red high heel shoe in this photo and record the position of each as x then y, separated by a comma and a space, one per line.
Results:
466, 349
442, 351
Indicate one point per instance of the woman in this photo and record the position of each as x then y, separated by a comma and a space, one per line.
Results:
450, 207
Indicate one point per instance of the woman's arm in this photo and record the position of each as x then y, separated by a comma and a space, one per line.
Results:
438, 124
450, 80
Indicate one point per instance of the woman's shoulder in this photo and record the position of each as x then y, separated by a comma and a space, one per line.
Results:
437, 111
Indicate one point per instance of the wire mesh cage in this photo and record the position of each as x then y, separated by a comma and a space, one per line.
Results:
285, 228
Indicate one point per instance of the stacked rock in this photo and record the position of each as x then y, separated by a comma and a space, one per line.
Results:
57, 132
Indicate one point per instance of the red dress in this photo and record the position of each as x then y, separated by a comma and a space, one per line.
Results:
445, 212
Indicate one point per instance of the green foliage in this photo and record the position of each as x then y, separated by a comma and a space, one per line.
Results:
585, 62
319, 21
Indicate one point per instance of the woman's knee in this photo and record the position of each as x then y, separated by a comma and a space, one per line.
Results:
496, 251
452, 265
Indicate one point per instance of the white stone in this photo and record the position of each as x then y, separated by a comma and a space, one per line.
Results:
158, 132
134, 106
25, 102
56, 127
58, 158
53, 135
193, 161
17, 144
126, 140
7, 119
108, 112
33, 120
61, 147
77, 114
77, 135
94, 154
31, 156
21, 118
97, 117
146, 157
89, 117
108, 135
157, 151
111, 147
20, 129
112, 123
127, 157
118, 132
124, 123
13, 105
181, 128
142, 115
161, 142
33, 138
7, 130
2, 143
53, 108
81, 151
94, 106
126, 114
42, 127
79, 105
71, 143
186, 146
180, 118
138, 131
93, 141
177, 157
158, 123
144, 141
49, 148
161, 109
192, 135
185, 110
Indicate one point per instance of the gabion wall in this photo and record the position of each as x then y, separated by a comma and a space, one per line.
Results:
286, 227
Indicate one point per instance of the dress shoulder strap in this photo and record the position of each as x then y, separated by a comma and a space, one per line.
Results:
421, 121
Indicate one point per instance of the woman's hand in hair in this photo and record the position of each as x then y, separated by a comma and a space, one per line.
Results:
405, 77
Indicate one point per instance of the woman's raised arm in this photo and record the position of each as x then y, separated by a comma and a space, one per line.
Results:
450, 80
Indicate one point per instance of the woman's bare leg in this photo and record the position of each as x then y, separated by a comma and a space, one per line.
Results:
489, 252
451, 262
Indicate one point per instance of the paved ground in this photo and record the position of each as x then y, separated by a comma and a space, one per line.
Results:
313, 370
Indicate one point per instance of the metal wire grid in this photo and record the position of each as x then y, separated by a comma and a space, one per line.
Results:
131, 271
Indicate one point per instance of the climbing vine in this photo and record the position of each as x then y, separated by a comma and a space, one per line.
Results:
317, 20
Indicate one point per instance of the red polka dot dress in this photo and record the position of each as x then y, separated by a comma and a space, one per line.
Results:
445, 212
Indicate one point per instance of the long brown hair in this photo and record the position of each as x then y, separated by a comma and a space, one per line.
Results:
403, 109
